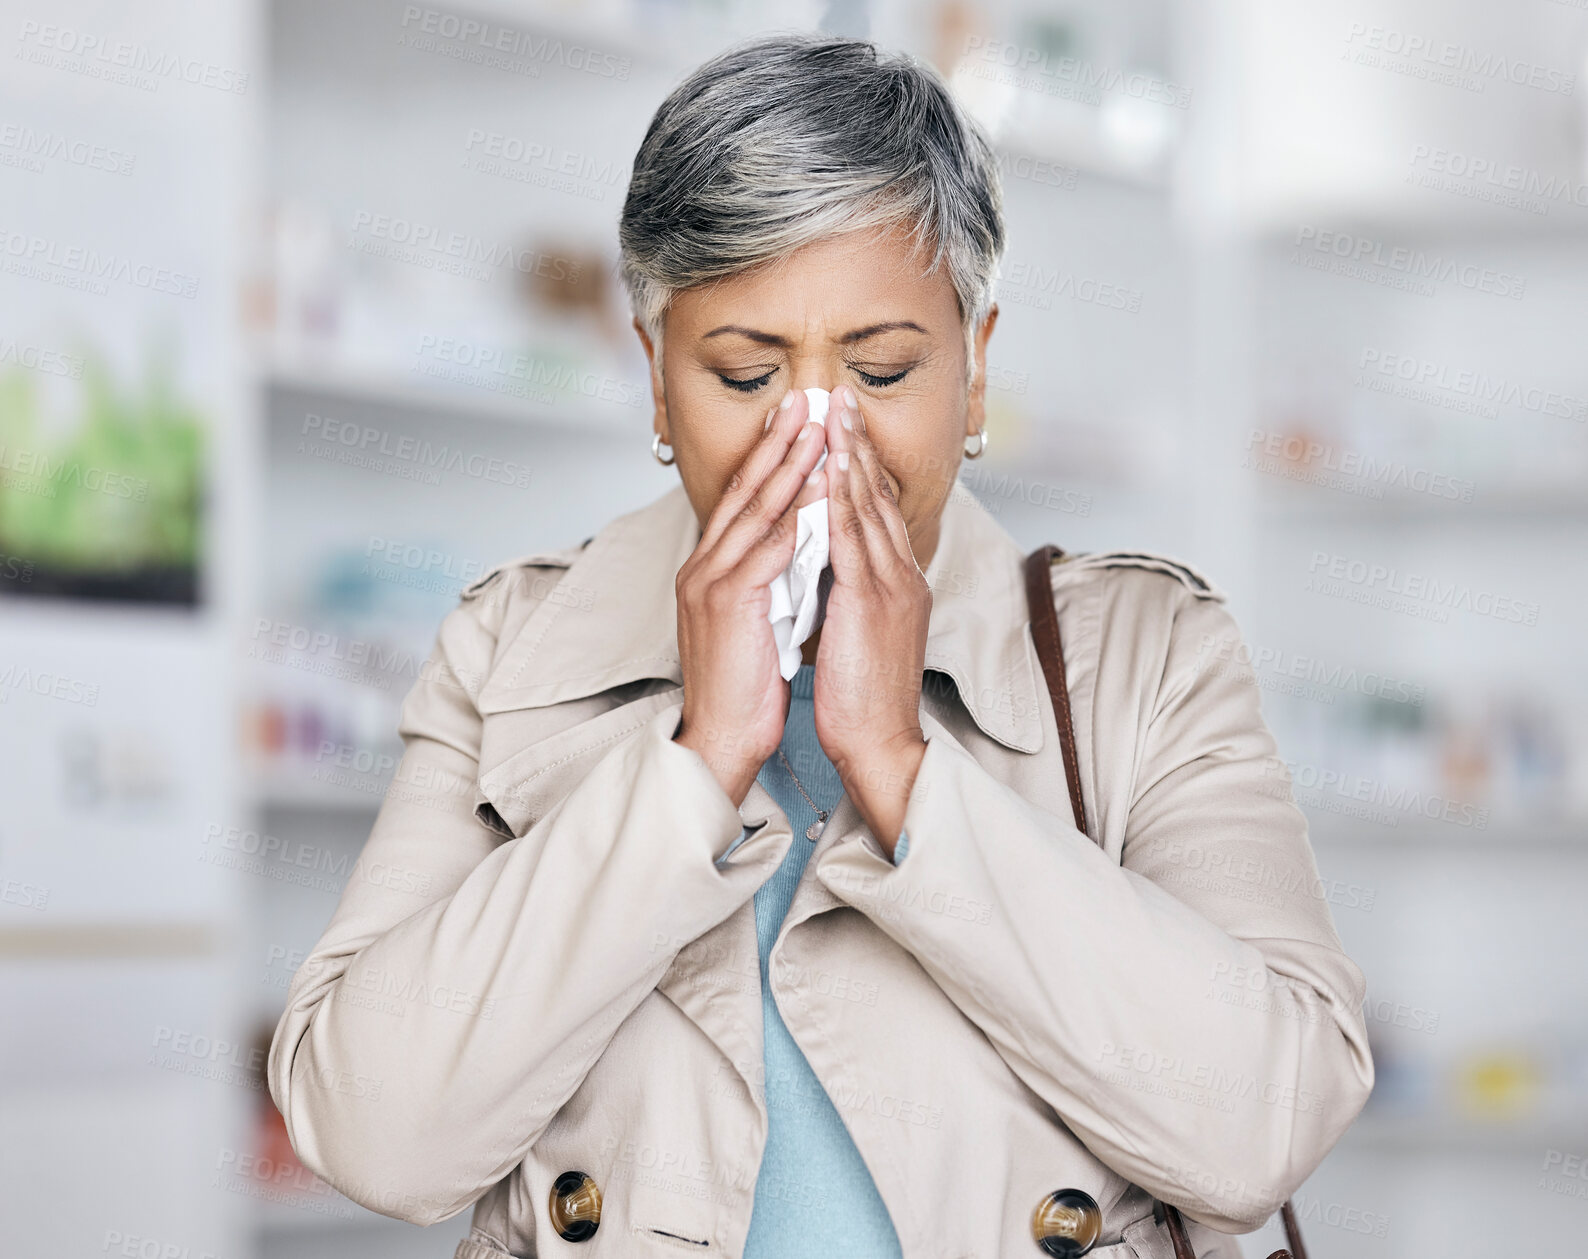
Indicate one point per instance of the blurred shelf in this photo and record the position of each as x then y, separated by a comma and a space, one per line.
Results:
1389, 215
327, 378
510, 36
306, 1213
1298, 502
1424, 1134
297, 791
665, 38
118, 940
1500, 835
1067, 155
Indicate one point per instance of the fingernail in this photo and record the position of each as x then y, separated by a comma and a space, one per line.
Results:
848, 398
788, 400
811, 480
769, 416
842, 458
849, 425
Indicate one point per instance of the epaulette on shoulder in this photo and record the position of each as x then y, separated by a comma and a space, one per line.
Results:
1193, 579
534, 559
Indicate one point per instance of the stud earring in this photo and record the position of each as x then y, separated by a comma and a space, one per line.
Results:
981, 447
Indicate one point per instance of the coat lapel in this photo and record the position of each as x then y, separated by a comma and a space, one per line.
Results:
611, 619
980, 629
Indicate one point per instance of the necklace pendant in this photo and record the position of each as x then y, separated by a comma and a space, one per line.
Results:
814, 830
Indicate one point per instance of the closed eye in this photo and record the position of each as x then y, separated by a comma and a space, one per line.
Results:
746, 386
759, 382
879, 382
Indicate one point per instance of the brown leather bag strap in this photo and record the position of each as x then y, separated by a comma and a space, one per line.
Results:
1177, 1233
1050, 651
1182, 1242
1287, 1215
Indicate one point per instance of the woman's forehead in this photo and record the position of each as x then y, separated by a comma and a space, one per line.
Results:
834, 296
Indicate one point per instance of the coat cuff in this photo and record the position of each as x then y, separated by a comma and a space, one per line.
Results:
873, 846
745, 832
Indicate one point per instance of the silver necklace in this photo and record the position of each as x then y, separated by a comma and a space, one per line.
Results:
815, 828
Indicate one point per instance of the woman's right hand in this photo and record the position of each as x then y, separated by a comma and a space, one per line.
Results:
735, 697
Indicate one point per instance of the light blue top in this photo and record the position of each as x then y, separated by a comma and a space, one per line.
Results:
814, 1195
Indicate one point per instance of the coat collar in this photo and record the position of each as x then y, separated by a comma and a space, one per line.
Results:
613, 618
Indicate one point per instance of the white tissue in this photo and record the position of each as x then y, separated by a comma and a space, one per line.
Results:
794, 590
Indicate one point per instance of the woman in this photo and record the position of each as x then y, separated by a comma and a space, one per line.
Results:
650, 950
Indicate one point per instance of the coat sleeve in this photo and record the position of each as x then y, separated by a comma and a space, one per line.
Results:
1187, 1012
466, 984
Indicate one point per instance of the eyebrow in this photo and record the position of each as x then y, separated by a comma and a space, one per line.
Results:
849, 338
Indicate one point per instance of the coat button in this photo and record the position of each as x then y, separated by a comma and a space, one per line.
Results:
1067, 1223
575, 1207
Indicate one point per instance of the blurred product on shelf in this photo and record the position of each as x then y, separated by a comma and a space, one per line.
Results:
373, 306
1499, 1084
106, 505
1525, 1088
1404, 1083
121, 771
1401, 757
305, 300
579, 285
332, 670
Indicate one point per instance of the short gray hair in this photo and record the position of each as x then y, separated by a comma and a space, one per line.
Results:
788, 139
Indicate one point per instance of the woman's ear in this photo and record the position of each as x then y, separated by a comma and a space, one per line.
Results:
658, 391
976, 408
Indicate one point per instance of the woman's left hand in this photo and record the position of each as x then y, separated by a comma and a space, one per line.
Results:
872, 649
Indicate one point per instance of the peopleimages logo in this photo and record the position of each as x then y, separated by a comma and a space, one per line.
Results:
1485, 179
407, 240
1081, 73
35, 358
1424, 56
45, 258
66, 48
549, 158
1330, 573
493, 45
1028, 284
548, 380
1304, 458
1384, 802
383, 450
1338, 1215
1479, 386
30, 149
1217, 649
1413, 264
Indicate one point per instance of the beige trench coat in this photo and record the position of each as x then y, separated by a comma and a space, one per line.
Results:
545, 962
